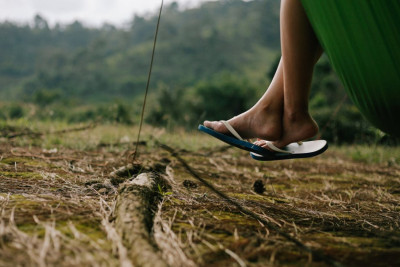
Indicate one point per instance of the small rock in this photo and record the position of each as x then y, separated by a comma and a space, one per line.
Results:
259, 187
189, 184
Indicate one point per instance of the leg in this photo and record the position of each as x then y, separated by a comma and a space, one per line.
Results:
264, 119
300, 52
282, 113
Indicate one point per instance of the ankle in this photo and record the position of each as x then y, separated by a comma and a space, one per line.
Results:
297, 116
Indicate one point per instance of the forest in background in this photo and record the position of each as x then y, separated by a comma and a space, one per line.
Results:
213, 62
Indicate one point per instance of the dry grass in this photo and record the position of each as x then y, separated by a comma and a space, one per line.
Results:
57, 201
55, 206
168, 241
345, 209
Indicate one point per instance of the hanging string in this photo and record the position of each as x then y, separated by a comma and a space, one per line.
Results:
135, 152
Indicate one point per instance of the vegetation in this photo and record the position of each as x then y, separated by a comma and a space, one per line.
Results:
90, 65
71, 98
208, 64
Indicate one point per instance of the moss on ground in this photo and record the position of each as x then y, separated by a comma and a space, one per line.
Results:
21, 175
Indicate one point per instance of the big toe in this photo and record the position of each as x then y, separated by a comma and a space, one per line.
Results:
215, 125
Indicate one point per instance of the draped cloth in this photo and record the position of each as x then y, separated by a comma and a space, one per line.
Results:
362, 41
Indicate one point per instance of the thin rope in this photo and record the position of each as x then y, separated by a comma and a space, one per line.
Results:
147, 85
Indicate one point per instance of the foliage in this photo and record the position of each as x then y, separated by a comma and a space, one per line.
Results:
223, 97
116, 112
16, 112
94, 64
212, 62
45, 97
338, 118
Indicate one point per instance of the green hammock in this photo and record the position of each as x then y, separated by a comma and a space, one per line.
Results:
362, 41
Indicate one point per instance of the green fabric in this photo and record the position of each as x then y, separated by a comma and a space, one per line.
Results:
362, 41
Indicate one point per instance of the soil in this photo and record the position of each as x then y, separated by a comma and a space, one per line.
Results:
56, 207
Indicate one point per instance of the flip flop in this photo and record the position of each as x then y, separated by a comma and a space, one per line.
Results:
236, 140
294, 150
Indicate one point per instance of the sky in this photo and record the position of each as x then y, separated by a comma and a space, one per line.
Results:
90, 12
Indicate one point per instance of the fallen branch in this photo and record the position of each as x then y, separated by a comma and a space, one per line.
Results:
134, 219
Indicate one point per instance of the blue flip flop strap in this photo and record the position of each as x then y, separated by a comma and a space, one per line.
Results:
268, 143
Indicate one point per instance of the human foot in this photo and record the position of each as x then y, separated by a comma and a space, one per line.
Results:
296, 128
254, 123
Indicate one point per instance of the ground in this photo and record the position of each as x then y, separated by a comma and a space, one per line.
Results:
58, 194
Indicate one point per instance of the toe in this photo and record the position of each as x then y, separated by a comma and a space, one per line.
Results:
209, 124
215, 125
259, 142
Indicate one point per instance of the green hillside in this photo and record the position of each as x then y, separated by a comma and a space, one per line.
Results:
93, 64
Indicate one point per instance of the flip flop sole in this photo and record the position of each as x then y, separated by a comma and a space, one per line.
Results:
305, 150
237, 143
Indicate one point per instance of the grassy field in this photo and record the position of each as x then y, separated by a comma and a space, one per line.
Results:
58, 197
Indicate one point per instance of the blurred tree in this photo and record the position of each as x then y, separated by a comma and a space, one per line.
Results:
222, 98
225, 98
45, 97
40, 23
16, 111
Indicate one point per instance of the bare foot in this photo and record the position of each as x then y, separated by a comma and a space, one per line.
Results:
265, 123
297, 127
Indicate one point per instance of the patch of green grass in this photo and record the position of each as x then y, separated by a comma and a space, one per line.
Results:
26, 161
32, 229
15, 197
22, 175
371, 154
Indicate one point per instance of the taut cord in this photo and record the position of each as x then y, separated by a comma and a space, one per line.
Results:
147, 85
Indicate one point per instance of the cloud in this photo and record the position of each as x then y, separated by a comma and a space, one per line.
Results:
59, 6
91, 12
